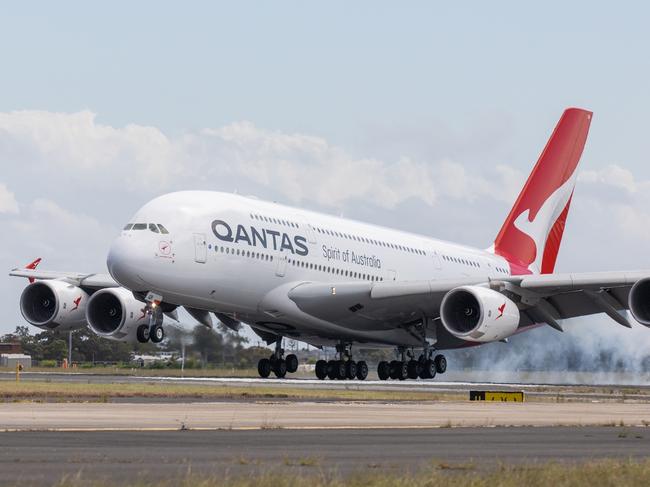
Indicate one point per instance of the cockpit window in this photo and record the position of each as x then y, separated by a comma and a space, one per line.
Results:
162, 229
128, 226
153, 227
139, 226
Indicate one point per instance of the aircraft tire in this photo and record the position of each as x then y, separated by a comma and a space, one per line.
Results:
350, 369
321, 369
402, 371
413, 369
383, 370
142, 333
264, 368
280, 368
362, 370
441, 363
332, 369
292, 363
394, 371
428, 370
157, 334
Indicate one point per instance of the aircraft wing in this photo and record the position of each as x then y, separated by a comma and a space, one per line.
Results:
90, 281
541, 298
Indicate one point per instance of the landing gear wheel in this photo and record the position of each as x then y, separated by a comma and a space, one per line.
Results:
321, 369
362, 370
350, 369
264, 368
383, 370
332, 369
441, 363
402, 371
157, 334
413, 369
428, 370
292, 363
340, 370
142, 333
394, 369
280, 368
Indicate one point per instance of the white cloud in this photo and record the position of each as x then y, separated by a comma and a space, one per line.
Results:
302, 168
615, 176
8, 203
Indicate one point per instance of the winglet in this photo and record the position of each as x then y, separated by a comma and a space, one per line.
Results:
32, 266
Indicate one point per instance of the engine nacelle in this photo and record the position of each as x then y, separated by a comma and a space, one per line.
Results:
478, 314
54, 304
639, 301
115, 314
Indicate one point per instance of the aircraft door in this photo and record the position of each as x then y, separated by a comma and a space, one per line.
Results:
200, 248
391, 275
437, 263
281, 266
311, 234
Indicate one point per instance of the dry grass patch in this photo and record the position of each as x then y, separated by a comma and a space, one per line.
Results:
612, 473
99, 392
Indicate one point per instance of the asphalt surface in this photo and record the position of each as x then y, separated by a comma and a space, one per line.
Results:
42, 458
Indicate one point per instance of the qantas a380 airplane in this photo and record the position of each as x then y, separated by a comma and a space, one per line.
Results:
328, 281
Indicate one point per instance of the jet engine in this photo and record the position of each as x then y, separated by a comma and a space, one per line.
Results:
639, 301
478, 314
115, 314
54, 304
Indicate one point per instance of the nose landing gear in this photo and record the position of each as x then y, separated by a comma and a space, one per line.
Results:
153, 330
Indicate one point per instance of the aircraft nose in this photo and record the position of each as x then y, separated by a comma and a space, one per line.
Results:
123, 261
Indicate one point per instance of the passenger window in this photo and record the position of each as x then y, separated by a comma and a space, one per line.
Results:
128, 226
139, 226
162, 229
153, 228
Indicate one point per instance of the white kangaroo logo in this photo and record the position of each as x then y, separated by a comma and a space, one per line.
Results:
540, 227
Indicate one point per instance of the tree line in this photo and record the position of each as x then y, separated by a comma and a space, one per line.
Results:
203, 347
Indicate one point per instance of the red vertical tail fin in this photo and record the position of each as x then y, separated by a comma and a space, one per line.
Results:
530, 237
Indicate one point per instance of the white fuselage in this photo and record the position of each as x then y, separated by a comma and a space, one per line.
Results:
239, 256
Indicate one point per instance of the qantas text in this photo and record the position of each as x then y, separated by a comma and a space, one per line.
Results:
269, 239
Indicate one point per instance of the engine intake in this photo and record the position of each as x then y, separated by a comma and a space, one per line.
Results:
478, 314
115, 314
639, 301
54, 305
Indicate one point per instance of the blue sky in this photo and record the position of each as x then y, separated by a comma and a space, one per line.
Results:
426, 116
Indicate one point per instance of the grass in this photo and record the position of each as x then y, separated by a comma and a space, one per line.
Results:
100, 392
596, 474
145, 372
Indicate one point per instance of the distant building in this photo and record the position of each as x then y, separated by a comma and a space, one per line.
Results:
12, 359
11, 347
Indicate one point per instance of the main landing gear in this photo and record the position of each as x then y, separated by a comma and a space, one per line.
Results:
344, 368
277, 364
153, 330
424, 367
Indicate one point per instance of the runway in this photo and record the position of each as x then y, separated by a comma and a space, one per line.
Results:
39, 458
161, 439
312, 415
